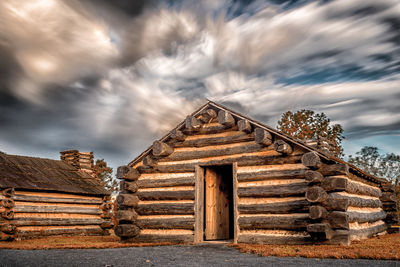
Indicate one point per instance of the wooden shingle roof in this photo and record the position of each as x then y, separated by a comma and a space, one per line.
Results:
31, 173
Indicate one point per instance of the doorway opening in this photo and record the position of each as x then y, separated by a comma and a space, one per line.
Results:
218, 203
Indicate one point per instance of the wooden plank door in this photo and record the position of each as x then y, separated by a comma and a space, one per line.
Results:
217, 206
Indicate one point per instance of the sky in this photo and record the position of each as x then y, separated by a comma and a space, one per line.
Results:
113, 76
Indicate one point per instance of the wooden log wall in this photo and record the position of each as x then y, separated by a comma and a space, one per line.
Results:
389, 205
343, 207
7, 228
270, 192
283, 194
39, 213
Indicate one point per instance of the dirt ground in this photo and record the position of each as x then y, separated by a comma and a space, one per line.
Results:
385, 247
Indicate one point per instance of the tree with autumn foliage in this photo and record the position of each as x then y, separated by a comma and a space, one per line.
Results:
105, 175
307, 125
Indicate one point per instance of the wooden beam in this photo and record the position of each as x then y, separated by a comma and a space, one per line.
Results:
313, 177
132, 175
185, 222
128, 186
208, 115
127, 215
192, 124
316, 194
199, 205
155, 194
179, 181
250, 237
53, 209
295, 206
177, 135
161, 149
262, 136
149, 161
126, 230
282, 147
121, 171
225, 118
244, 126
344, 184
320, 231
216, 139
287, 222
340, 219
284, 190
318, 212
166, 208
311, 160
39, 221
28, 198
127, 200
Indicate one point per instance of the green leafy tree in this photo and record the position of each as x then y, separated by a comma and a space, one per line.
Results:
105, 175
381, 165
307, 125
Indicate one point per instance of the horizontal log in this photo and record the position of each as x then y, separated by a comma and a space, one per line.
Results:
127, 216
271, 172
160, 208
214, 151
7, 203
192, 124
48, 232
338, 204
121, 171
128, 186
7, 228
313, 177
284, 190
39, 221
355, 201
282, 147
127, 200
316, 194
54, 209
216, 139
296, 206
244, 126
241, 159
336, 183
225, 118
165, 194
210, 128
8, 214
311, 160
126, 230
208, 115
180, 181
256, 238
154, 238
6, 237
149, 161
320, 231
334, 169
367, 232
287, 222
318, 212
161, 149
8, 192
388, 197
340, 219
132, 175
177, 136
166, 223
29, 198
262, 137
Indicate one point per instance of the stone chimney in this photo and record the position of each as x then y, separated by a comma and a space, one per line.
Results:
81, 160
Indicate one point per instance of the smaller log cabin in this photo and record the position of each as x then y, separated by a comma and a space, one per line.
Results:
220, 175
41, 197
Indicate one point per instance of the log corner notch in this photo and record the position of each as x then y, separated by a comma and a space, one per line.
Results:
262, 137
208, 115
226, 119
106, 208
282, 147
311, 160
127, 173
192, 124
161, 149
388, 199
244, 126
7, 228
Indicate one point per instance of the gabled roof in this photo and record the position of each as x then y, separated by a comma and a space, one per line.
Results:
32, 173
238, 116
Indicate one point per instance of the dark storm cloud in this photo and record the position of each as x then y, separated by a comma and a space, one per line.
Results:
111, 76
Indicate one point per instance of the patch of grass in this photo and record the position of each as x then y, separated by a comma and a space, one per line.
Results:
73, 242
386, 247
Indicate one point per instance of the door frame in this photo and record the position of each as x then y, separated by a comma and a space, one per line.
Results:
199, 203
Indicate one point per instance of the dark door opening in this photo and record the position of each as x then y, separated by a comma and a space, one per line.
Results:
218, 198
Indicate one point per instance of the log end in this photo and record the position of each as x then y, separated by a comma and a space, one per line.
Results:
311, 160
316, 194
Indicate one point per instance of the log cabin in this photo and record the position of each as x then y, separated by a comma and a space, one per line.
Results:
42, 197
220, 175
